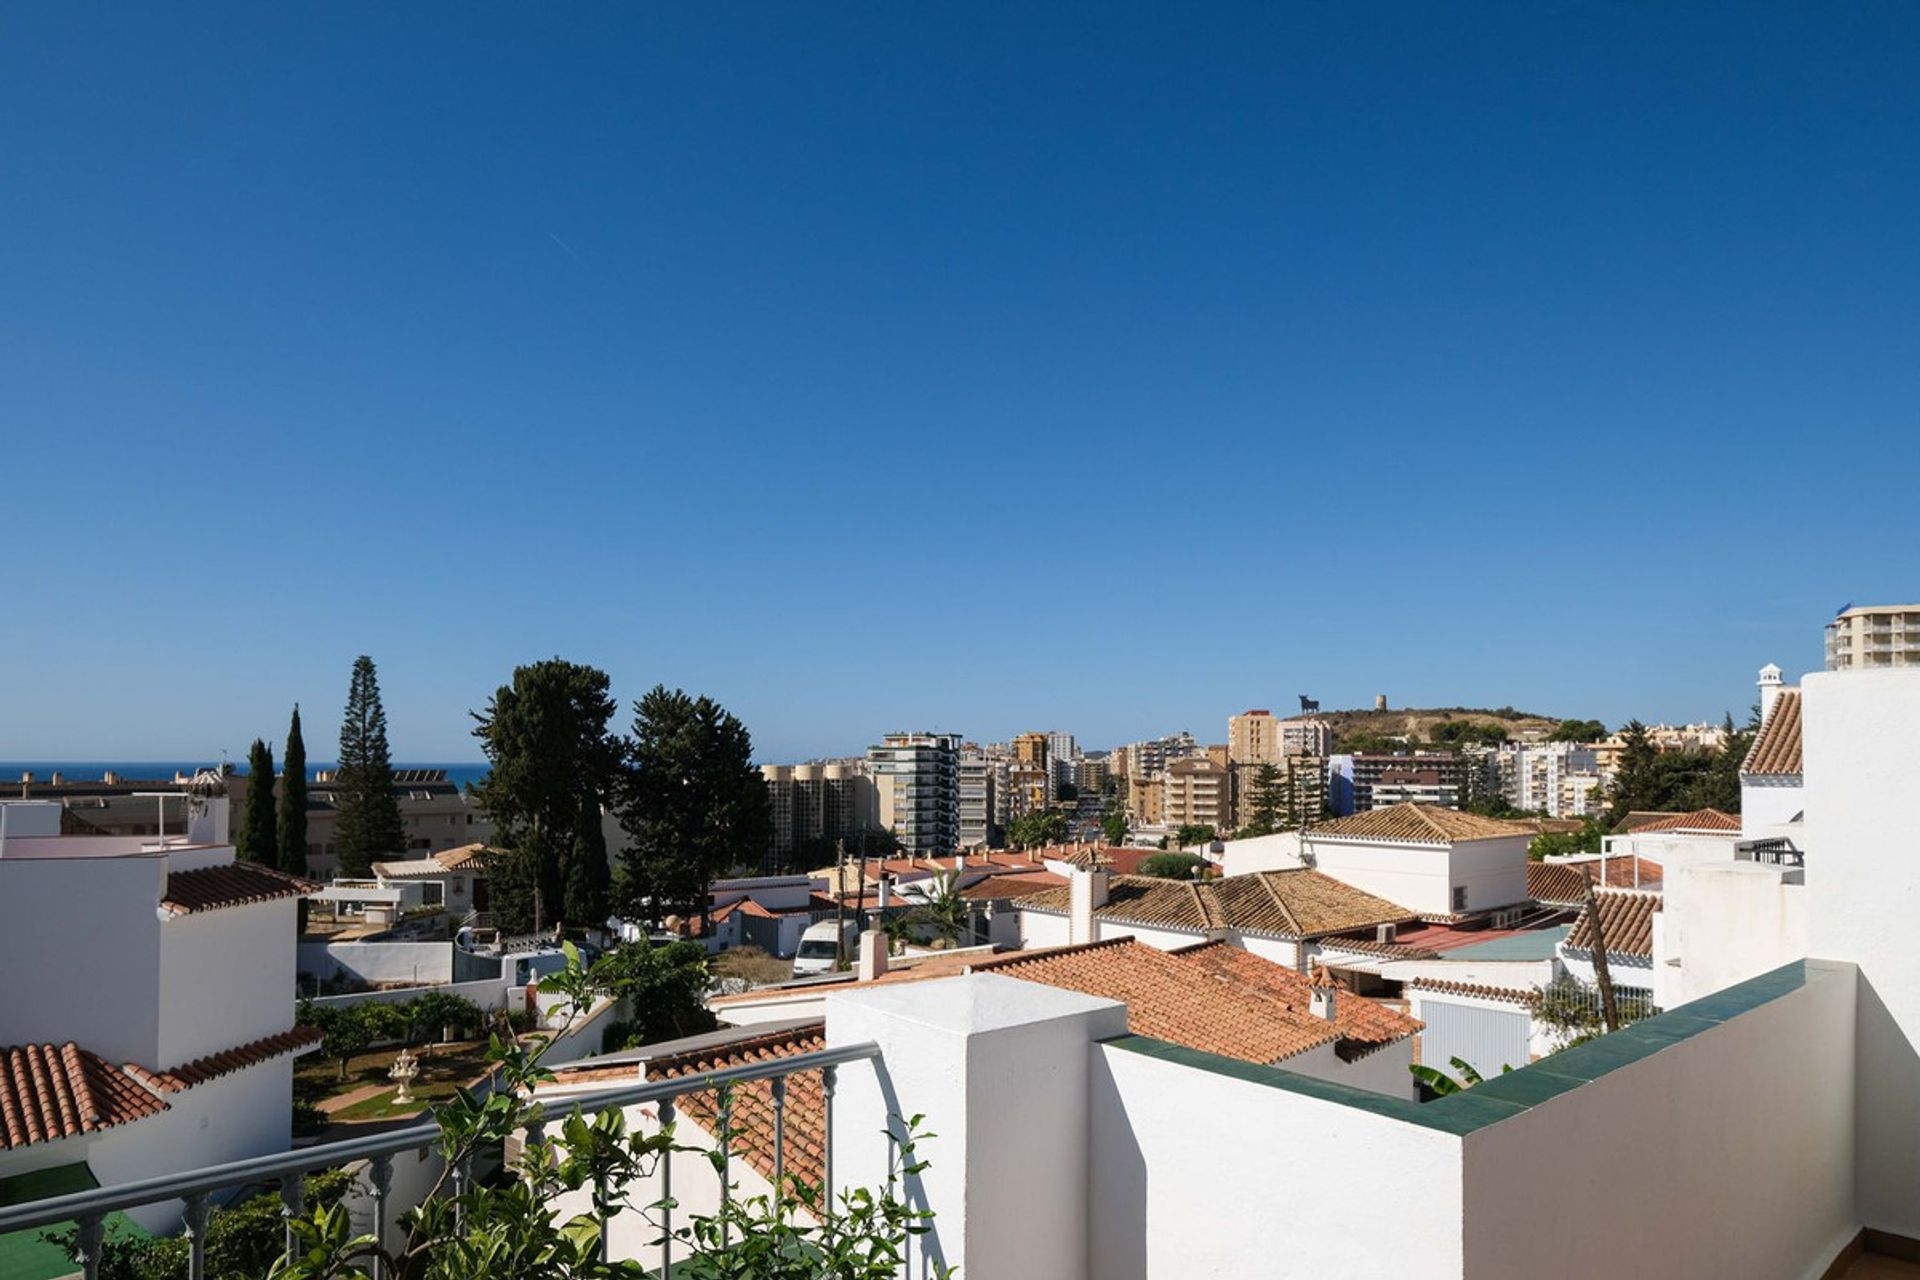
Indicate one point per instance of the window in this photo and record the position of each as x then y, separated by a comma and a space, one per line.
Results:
1459, 897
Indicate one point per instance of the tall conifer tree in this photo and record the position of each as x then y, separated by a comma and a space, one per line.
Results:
257, 825
293, 801
369, 824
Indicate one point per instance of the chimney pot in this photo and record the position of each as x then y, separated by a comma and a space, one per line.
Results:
873, 955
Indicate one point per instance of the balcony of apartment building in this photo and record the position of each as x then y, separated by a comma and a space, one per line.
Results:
1067, 1147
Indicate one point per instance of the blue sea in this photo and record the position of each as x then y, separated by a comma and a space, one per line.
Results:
93, 770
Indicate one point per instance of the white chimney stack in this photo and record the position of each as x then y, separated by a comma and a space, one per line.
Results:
1086, 893
873, 955
1325, 995
886, 894
1769, 690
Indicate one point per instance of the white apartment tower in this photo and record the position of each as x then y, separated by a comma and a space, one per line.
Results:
917, 780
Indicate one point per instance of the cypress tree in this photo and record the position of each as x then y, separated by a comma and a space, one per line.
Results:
369, 823
293, 801
588, 876
257, 824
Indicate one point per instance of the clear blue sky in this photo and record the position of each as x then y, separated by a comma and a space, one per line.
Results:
982, 367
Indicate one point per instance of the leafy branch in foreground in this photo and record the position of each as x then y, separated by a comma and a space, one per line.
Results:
507, 1226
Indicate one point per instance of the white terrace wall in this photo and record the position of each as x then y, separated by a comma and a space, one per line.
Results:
81, 935
1172, 1145
1726, 1155
226, 978
1863, 886
488, 993
414, 963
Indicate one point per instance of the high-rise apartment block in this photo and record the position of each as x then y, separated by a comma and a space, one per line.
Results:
1253, 737
1198, 791
1306, 738
979, 825
816, 804
1874, 636
916, 778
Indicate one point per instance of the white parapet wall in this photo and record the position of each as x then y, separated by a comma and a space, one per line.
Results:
1001, 1070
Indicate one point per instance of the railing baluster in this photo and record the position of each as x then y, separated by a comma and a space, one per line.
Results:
779, 1132
196, 1219
92, 1234
828, 1078
666, 1195
381, 1175
726, 1162
293, 1203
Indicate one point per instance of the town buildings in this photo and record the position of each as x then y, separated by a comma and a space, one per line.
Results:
1197, 792
1874, 636
916, 779
1253, 737
815, 805
1434, 778
980, 779
152, 1022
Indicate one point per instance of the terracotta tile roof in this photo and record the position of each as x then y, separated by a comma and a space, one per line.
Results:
1300, 903
752, 1119
1363, 1022
1421, 823
1627, 919
233, 885
742, 906
1776, 751
49, 1092
1013, 885
1703, 821
1441, 986
1559, 882
1374, 947
1637, 819
468, 857
215, 1065
1121, 858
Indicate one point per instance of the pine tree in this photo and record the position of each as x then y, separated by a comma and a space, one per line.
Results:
257, 825
293, 801
369, 823
552, 757
587, 872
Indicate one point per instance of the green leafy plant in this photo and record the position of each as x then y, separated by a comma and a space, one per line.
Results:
1173, 866
505, 1227
1441, 1084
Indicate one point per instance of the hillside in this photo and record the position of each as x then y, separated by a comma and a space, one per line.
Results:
1420, 722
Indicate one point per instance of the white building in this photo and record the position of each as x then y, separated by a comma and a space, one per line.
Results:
1435, 862
1771, 787
152, 1018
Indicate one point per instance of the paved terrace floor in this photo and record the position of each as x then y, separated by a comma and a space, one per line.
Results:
1875, 1267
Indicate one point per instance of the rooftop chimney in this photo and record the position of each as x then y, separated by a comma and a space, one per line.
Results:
886, 893
57, 779
1325, 993
26, 777
1769, 690
1086, 893
873, 955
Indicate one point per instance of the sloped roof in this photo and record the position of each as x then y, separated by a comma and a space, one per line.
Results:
1012, 885
236, 884
1442, 986
1124, 859
215, 1065
805, 1123
1776, 750
1700, 821
1365, 1022
1419, 823
1291, 904
49, 1092
1626, 918
1559, 882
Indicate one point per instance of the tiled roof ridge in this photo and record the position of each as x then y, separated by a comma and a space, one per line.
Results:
49, 1092
1447, 986
787, 1037
1014, 959
231, 884
1775, 752
1706, 819
214, 1065
1266, 883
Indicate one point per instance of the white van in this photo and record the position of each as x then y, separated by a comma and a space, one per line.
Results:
818, 952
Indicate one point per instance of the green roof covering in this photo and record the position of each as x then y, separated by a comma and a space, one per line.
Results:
24, 1255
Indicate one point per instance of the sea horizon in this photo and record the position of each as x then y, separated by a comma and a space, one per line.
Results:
459, 772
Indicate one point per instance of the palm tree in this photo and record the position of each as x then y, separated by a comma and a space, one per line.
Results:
1442, 1084
946, 911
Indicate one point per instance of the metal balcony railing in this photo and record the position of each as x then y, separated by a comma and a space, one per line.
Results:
1777, 852
88, 1210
